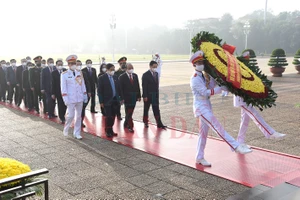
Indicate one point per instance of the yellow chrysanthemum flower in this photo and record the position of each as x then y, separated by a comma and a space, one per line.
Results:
218, 58
10, 167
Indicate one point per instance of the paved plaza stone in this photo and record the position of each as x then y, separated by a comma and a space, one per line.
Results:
95, 168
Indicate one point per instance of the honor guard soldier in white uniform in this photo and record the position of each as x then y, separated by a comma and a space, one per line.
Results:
73, 91
203, 86
249, 112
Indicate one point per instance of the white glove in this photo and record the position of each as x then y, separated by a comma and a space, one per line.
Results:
218, 90
85, 98
224, 88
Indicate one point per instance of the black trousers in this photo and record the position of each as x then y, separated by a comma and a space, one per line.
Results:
155, 109
110, 111
50, 104
83, 111
93, 101
62, 108
43, 97
29, 98
11, 92
129, 109
36, 99
3, 91
21, 96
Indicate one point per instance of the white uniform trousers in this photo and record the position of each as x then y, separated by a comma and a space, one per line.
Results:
208, 120
247, 113
74, 111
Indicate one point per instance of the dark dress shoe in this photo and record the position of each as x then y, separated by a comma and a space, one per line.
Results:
82, 125
146, 125
94, 111
119, 117
109, 135
114, 134
161, 126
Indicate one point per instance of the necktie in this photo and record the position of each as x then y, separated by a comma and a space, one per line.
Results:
112, 83
154, 76
74, 73
90, 70
131, 80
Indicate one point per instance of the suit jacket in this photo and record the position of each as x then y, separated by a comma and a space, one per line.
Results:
150, 86
92, 78
55, 83
34, 78
11, 75
46, 79
87, 82
19, 74
25, 79
105, 91
2, 76
129, 92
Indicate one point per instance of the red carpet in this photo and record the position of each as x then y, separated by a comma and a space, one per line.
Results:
259, 167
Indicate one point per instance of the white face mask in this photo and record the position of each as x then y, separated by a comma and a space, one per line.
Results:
13, 64
78, 67
104, 69
73, 67
24, 63
51, 65
3, 65
130, 71
59, 67
200, 67
111, 73
28, 60
154, 69
43, 65
89, 65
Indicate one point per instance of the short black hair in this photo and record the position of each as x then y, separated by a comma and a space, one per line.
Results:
109, 65
58, 61
152, 62
88, 61
49, 59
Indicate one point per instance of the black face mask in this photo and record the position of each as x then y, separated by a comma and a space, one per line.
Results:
123, 66
38, 64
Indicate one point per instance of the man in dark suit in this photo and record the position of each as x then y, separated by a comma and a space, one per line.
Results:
92, 77
26, 86
20, 70
35, 84
46, 84
122, 63
130, 93
56, 91
3, 84
150, 83
11, 80
87, 87
109, 97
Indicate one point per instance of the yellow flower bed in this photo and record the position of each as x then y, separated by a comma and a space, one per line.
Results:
10, 167
217, 57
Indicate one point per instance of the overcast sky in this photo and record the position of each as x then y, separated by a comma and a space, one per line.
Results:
39, 19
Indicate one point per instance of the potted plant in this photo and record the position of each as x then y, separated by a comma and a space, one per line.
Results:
277, 62
252, 57
296, 61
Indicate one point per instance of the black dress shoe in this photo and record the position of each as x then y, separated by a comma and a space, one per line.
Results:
114, 134
146, 125
161, 126
94, 111
82, 125
109, 135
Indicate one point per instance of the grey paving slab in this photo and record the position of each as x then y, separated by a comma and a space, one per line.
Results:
142, 180
180, 194
119, 187
160, 188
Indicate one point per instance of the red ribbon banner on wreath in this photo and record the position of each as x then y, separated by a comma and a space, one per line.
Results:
233, 69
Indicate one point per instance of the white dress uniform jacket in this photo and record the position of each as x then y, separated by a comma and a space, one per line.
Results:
73, 89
